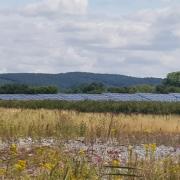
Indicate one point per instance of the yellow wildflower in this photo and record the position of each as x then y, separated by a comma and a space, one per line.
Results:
20, 165
48, 166
115, 162
81, 152
13, 148
153, 147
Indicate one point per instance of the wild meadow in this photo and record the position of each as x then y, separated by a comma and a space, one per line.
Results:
72, 145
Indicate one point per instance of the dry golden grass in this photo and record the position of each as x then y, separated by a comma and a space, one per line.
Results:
15, 123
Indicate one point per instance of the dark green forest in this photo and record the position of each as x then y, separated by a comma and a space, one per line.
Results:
24, 89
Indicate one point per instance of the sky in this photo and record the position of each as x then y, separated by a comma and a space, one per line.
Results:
131, 37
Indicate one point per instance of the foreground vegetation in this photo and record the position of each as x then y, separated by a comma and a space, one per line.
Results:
52, 163
23, 155
163, 108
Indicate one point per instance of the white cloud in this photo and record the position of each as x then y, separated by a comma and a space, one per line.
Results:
48, 7
146, 43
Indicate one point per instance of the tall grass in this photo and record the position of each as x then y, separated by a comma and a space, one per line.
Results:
134, 128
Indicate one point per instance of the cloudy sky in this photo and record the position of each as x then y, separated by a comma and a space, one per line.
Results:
131, 37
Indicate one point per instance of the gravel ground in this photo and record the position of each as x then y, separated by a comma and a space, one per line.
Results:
107, 151
100, 151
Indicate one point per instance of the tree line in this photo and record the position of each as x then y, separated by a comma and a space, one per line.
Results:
24, 89
170, 85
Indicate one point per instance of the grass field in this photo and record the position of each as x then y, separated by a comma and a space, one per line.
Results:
58, 144
21, 123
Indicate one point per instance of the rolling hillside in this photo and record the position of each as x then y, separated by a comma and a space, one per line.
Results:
68, 80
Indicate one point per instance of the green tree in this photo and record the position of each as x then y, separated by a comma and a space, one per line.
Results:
24, 89
173, 79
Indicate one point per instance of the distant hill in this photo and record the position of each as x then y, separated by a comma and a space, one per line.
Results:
72, 79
